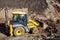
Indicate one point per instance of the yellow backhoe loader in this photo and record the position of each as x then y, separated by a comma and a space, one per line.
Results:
20, 24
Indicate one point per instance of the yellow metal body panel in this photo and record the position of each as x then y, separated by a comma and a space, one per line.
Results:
11, 30
32, 23
18, 13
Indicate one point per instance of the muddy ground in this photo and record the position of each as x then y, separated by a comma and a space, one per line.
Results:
27, 36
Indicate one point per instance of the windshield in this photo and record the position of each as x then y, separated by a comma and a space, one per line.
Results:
20, 19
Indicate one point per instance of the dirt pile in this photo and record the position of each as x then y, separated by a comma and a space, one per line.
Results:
42, 8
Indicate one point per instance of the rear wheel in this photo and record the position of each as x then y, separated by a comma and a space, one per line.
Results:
19, 31
35, 30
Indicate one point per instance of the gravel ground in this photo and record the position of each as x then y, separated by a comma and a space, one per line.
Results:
25, 37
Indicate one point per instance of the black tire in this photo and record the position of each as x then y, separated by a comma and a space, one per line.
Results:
18, 31
35, 30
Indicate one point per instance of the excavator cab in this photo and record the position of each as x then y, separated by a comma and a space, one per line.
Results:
19, 18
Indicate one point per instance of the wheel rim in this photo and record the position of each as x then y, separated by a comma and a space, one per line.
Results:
19, 32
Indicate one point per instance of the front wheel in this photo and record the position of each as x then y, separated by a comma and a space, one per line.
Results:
18, 31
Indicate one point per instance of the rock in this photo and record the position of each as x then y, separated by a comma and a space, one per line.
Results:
2, 36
